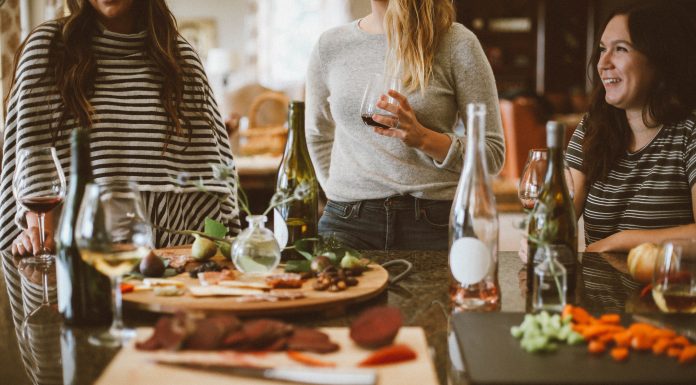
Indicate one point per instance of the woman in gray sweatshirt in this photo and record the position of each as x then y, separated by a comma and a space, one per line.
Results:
392, 188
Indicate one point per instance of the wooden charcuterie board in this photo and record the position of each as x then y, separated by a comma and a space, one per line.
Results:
135, 367
371, 283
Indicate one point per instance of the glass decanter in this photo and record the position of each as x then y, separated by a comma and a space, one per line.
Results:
256, 250
550, 282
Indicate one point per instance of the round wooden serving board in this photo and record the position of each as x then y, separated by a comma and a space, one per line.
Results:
371, 283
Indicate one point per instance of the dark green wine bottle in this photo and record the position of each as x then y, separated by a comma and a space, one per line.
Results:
84, 296
553, 219
296, 219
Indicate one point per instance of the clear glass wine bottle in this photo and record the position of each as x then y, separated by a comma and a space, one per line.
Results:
473, 236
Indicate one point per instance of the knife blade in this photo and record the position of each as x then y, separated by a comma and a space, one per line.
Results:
312, 376
686, 332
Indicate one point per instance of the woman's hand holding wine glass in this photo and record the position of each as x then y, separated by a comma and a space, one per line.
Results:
38, 185
113, 235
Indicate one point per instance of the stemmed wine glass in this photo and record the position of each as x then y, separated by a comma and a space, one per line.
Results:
113, 235
377, 87
532, 177
38, 184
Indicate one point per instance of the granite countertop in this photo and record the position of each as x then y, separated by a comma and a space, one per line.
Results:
422, 296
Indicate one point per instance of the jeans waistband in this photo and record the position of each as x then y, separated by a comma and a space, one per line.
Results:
399, 201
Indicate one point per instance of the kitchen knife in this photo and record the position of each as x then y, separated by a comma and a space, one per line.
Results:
685, 331
311, 376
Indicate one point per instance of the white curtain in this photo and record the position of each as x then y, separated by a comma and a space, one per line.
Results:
286, 34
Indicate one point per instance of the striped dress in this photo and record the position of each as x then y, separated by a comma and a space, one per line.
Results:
128, 135
646, 189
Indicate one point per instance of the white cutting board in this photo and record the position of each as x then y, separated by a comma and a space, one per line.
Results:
135, 367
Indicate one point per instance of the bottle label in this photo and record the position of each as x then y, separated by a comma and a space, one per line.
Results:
280, 229
470, 260
64, 283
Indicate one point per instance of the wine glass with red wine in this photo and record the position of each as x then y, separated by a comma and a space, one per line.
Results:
38, 185
379, 85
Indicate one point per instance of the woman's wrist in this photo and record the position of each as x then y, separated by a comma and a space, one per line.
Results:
434, 144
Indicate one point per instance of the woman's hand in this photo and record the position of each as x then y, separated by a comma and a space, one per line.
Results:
27, 243
407, 128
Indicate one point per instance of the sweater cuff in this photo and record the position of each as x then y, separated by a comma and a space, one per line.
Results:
453, 158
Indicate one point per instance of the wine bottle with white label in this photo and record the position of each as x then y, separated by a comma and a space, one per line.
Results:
473, 234
296, 219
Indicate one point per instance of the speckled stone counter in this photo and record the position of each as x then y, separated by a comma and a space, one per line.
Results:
422, 296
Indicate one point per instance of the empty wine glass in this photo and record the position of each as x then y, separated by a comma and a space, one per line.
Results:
113, 235
379, 85
532, 177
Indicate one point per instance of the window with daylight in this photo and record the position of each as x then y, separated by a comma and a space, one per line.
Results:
287, 32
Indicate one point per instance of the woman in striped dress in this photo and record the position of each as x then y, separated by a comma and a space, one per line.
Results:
121, 69
633, 158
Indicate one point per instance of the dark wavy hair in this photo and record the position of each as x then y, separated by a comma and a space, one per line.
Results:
665, 34
74, 65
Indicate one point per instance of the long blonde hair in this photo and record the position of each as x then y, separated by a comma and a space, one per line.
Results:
414, 30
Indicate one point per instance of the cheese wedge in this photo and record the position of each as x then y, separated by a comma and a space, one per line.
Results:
216, 290
243, 284
153, 282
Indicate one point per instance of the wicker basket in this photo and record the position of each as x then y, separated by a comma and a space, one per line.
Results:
265, 135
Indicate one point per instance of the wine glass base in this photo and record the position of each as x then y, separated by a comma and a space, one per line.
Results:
112, 338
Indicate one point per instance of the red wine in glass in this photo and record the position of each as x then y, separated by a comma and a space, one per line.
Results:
367, 119
378, 86
41, 204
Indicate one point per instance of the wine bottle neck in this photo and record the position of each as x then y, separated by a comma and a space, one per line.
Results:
296, 136
80, 163
475, 144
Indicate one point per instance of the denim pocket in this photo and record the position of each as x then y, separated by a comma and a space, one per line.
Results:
436, 214
341, 210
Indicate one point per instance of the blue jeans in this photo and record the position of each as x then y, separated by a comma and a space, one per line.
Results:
400, 222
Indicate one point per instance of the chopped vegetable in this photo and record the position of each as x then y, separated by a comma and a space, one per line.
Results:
541, 332
619, 354
308, 360
127, 288
389, 355
639, 336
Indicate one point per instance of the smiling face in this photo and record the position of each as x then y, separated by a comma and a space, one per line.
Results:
626, 74
114, 14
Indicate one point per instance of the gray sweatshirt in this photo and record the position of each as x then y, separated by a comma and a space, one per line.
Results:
352, 161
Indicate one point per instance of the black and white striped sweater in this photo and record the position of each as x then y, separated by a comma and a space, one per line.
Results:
128, 134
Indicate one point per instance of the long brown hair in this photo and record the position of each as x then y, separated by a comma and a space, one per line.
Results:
414, 29
664, 33
71, 57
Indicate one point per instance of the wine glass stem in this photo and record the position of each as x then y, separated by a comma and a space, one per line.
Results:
44, 277
41, 250
117, 323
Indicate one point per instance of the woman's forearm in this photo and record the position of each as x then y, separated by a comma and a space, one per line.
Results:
628, 239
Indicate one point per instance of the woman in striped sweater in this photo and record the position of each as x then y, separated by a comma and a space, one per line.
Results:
121, 69
633, 158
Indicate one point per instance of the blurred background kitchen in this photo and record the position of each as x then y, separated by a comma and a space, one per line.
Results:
256, 51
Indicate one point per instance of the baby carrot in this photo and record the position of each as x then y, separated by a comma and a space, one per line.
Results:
619, 354
596, 347
688, 354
